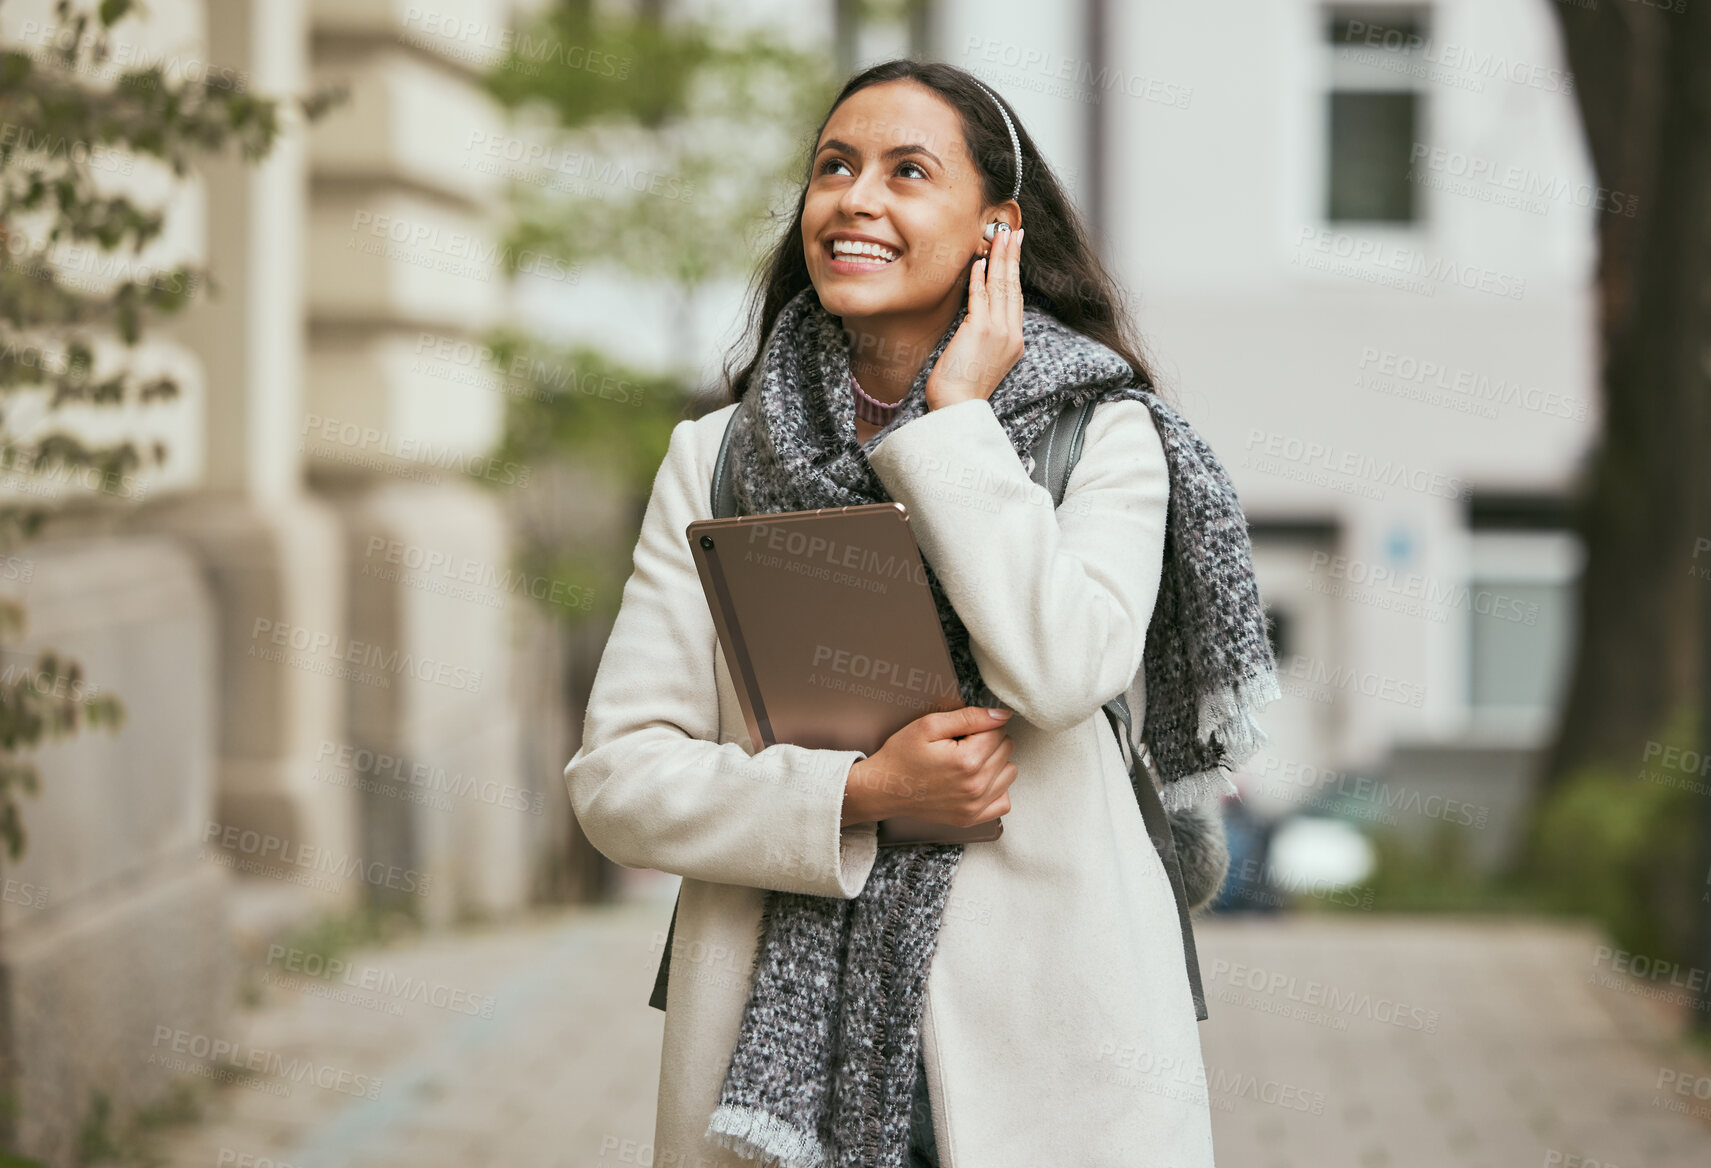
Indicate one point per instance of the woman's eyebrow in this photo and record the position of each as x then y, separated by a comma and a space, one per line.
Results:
894, 152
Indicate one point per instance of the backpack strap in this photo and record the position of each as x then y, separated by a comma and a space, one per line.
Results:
1142, 777
663, 978
723, 498
1058, 448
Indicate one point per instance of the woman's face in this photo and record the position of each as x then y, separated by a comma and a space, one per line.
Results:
891, 167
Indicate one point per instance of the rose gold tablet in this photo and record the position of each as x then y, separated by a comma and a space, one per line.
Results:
827, 623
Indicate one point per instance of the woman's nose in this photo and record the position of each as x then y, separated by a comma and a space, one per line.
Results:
865, 195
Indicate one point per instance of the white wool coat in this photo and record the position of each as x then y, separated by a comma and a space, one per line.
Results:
1058, 1026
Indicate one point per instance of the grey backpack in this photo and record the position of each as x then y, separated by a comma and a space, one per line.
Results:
1054, 454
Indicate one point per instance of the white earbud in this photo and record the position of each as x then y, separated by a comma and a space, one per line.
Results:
993, 228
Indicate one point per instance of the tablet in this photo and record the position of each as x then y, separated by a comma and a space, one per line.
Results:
828, 626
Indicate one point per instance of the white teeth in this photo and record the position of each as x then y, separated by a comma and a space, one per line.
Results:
872, 252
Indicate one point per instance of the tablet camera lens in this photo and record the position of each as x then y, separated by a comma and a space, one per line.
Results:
706, 541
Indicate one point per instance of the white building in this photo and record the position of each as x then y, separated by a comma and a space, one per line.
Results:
1359, 240
315, 719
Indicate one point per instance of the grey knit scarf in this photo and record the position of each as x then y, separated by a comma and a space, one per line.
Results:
825, 1061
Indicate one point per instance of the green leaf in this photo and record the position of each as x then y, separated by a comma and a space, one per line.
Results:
112, 11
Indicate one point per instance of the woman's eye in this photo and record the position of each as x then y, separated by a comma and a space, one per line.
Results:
825, 167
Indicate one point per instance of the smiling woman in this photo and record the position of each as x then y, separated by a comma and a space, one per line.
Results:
915, 161
868, 1020
889, 229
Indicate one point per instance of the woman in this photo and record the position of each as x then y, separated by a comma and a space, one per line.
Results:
1026, 1000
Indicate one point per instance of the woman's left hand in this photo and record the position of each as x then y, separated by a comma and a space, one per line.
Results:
988, 343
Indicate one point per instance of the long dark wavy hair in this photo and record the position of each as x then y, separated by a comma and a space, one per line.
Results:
1061, 273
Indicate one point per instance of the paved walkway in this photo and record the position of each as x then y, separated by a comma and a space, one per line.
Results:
1358, 1041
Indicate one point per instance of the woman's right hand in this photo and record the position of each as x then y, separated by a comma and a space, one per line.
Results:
950, 767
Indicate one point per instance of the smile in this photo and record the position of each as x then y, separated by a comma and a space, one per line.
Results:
849, 255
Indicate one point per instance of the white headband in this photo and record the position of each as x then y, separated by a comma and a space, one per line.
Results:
1015, 142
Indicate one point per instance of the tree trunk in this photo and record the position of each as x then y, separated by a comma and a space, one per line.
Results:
1643, 80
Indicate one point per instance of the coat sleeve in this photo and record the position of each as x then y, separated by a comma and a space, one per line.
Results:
1056, 603
651, 785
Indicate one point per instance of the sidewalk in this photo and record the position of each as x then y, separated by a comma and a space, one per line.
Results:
527, 1047
1348, 1040
1435, 1042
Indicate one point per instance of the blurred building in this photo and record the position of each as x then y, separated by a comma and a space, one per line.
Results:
1362, 236
1359, 239
338, 691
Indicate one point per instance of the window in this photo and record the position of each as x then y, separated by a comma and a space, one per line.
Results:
869, 31
1374, 111
1521, 601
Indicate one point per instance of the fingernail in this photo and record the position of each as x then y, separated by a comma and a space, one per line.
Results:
999, 714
